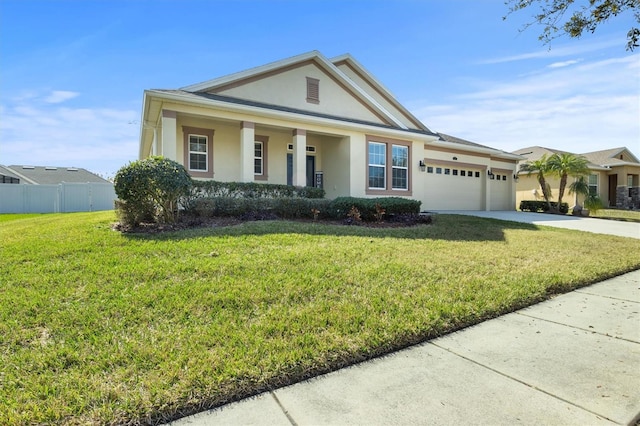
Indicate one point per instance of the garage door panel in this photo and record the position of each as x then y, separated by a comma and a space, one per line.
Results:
501, 193
454, 192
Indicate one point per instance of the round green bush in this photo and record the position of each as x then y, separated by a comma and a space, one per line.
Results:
152, 186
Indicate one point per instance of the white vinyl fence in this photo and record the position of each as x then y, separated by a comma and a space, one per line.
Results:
62, 198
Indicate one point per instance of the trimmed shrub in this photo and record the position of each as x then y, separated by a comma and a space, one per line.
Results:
286, 208
151, 187
212, 188
369, 207
541, 206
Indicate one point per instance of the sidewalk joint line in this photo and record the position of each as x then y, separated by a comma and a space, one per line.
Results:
286, 413
582, 291
588, 330
522, 382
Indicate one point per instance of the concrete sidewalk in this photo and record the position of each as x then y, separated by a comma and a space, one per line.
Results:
573, 360
587, 224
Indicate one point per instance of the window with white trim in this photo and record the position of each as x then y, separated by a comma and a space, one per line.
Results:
400, 167
388, 163
593, 184
377, 165
198, 154
258, 159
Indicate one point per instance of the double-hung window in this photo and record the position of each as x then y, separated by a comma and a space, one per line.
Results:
377, 165
400, 167
198, 153
260, 163
258, 159
593, 184
388, 166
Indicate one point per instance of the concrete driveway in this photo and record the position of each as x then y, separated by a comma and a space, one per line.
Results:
587, 224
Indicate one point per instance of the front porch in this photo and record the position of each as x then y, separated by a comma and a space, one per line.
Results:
228, 150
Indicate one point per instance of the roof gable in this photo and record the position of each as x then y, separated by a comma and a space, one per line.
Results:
283, 83
363, 78
39, 175
611, 156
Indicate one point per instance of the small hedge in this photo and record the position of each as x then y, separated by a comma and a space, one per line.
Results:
285, 208
298, 208
541, 206
341, 206
213, 188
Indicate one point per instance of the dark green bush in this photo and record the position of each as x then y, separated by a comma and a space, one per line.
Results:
134, 213
151, 187
211, 188
541, 206
341, 206
285, 208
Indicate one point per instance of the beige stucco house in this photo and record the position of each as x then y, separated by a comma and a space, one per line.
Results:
309, 120
614, 177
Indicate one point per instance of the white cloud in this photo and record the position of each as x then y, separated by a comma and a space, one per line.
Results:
58, 96
556, 51
98, 139
564, 63
587, 107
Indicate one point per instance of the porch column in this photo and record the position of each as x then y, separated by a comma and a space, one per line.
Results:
247, 140
487, 193
299, 157
169, 130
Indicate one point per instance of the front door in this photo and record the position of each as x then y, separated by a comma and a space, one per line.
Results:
311, 169
613, 185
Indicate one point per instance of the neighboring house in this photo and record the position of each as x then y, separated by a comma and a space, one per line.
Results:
39, 175
614, 177
309, 120
36, 189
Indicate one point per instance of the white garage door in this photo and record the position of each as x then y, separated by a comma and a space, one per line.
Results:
449, 188
501, 192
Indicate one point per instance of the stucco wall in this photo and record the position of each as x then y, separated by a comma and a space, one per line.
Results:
289, 88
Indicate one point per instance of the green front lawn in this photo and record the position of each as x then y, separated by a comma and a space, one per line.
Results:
100, 327
617, 214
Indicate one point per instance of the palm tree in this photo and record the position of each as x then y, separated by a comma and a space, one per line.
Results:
539, 166
592, 202
564, 165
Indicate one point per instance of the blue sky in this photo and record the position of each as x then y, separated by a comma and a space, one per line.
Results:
72, 72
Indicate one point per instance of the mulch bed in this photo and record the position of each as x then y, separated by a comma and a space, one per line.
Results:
192, 222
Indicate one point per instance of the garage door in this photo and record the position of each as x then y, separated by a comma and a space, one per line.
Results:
449, 188
501, 192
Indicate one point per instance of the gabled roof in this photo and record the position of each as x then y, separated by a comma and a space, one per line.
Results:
598, 160
326, 65
478, 147
534, 153
610, 157
41, 175
385, 93
8, 173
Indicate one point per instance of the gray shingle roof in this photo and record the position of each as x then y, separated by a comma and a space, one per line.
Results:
246, 102
45, 175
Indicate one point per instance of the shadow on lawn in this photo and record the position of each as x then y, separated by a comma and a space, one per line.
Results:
444, 227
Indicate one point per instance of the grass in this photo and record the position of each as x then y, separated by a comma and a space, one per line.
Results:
17, 216
97, 327
617, 214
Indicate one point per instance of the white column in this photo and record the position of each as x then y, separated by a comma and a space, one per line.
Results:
487, 192
247, 139
169, 131
299, 157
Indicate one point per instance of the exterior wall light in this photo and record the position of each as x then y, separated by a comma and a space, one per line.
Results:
490, 174
422, 166
515, 177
